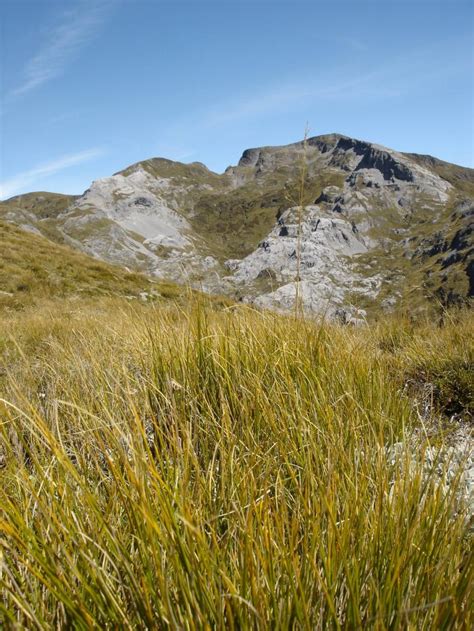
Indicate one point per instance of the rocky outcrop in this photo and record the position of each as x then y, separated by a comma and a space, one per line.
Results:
249, 158
389, 168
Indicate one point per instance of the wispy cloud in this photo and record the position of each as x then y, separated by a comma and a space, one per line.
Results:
285, 97
345, 42
22, 181
74, 29
397, 78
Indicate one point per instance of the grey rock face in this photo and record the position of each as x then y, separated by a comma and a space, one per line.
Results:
309, 242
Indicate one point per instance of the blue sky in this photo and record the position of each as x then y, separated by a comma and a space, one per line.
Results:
91, 86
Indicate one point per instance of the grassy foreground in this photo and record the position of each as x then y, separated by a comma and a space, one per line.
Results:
199, 469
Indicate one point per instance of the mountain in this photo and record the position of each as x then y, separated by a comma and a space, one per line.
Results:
349, 226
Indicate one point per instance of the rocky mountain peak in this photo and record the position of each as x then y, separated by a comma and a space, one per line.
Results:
249, 157
341, 152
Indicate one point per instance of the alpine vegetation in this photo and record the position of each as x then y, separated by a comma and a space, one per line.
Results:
192, 464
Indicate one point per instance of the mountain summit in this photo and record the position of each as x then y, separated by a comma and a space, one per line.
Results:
347, 225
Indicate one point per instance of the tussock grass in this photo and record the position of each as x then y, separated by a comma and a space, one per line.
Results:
193, 469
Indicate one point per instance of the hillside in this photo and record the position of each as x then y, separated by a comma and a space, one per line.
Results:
366, 228
33, 268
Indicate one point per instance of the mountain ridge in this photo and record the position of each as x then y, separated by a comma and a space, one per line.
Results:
428, 158
373, 225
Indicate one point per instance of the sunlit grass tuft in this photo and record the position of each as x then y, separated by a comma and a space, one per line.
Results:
201, 469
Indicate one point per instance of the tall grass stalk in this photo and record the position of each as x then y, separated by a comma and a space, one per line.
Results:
300, 209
